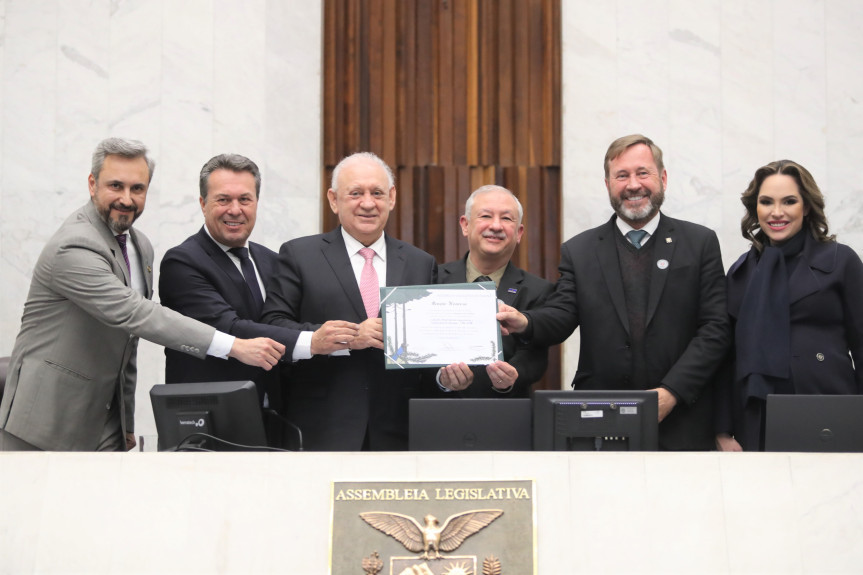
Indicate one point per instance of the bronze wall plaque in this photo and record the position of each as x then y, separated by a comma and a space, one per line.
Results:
433, 528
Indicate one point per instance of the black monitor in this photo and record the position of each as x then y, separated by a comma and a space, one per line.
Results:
469, 424
210, 416
595, 421
814, 423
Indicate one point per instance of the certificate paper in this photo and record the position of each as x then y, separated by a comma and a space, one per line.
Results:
436, 325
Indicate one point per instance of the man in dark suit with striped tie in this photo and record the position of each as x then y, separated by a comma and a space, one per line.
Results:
219, 277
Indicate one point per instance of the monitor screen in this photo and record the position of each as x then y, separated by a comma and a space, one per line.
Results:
469, 424
814, 423
595, 421
208, 416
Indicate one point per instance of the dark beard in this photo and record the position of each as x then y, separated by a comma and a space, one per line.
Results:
123, 223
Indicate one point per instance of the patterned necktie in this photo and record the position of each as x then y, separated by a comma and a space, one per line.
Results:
482, 279
251, 279
369, 286
121, 239
635, 237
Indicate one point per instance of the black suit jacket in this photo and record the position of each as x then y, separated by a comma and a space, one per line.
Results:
523, 291
335, 400
687, 329
199, 280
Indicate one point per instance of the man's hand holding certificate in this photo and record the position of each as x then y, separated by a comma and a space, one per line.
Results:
438, 325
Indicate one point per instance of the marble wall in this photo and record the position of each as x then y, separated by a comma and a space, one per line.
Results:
604, 513
723, 86
191, 79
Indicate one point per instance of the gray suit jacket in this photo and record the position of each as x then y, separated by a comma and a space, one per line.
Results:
75, 352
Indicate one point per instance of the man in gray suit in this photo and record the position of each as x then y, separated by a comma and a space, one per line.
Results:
72, 374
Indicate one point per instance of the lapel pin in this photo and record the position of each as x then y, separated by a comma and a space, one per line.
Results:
149, 269
668, 240
662, 264
512, 290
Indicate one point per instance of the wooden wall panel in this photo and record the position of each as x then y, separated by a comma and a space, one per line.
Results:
445, 86
426, 82
453, 95
521, 82
459, 84
389, 85
407, 84
331, 137
505, 101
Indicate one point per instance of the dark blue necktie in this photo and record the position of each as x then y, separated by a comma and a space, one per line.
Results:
251, 278
635, 237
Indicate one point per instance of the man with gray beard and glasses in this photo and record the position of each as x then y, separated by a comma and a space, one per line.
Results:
648, 292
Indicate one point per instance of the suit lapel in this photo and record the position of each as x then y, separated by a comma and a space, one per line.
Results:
456, 272
104, 231
395, 262
663, 250
609, 263
815, 256
223, 262
336, 253
509, 290
145, 257
263, 264
453, 272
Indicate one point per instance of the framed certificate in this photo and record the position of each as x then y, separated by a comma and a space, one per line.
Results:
436, 325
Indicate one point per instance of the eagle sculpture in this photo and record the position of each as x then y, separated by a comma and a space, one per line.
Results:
431, 538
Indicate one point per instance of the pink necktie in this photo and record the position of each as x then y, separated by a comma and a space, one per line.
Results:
369, 287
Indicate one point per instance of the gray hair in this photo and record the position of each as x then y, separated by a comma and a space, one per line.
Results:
491, 188
233, 162
361, 156
130, 149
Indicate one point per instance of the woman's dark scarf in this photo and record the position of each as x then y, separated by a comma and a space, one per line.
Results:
763, 330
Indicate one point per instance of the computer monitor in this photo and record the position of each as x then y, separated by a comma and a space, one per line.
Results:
469, 424
208, 416
595, 421
814, 423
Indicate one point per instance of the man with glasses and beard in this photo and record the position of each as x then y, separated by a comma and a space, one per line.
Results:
648, 292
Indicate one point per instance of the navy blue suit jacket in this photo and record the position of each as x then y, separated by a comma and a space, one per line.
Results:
199, 280
523, 291
336, 400
826, 325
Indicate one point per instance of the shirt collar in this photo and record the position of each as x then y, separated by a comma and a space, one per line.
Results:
649, 227
221, 245
353, 245
471, 273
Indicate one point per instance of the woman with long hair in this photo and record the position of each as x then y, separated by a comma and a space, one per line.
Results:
796, 303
